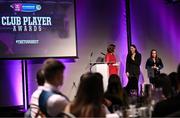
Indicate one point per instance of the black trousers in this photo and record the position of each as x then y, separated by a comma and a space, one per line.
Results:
132, 84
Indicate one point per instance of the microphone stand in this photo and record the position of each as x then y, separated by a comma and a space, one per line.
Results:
74, 85
90, 62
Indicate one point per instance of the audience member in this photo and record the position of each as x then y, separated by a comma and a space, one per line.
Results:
164, 82
115, 92
173, 77
51, 101
34, 105
89, 98
171, 105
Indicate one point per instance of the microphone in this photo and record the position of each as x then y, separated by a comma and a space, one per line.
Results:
103, 53
91, 58
91, 54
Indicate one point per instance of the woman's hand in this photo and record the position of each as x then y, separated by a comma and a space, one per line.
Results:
127, 73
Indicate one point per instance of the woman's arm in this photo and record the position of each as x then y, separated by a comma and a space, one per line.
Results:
137, 60
160, 64
127, 63
148, 64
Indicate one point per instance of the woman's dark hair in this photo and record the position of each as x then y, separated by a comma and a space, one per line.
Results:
89, 96
178, 75
172, 76
152, 52
114, 85
164, 82
132, 45
111, 48
115, 92
178, 69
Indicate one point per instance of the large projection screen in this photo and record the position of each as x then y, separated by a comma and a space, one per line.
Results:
37, 28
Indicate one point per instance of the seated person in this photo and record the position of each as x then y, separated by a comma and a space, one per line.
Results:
170, 105
89, 98
51, 101
34, 104
115, 92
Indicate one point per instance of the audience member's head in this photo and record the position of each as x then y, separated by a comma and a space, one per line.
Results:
53, 71
172, 76
115, 93
40, 77
114, 85
164, 82
178, 69
89, 96
91, 87
178, 79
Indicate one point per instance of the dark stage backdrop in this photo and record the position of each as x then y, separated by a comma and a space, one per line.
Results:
31, 29
156, 24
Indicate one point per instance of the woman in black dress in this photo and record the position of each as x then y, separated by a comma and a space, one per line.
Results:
153, 65
133, 62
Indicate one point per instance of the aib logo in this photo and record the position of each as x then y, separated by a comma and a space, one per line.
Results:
26, 7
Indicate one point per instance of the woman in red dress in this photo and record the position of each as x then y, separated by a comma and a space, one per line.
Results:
110, 59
